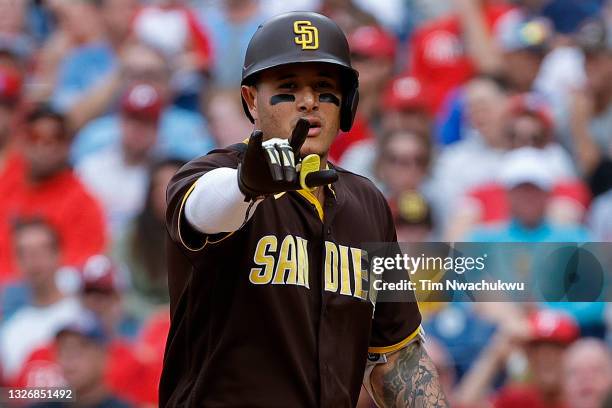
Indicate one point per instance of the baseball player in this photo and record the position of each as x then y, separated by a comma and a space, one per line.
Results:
268, 302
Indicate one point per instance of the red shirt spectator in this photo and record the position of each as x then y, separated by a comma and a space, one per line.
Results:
493, 203
549, 333
124, 372
39, 183
438, 54
524, 396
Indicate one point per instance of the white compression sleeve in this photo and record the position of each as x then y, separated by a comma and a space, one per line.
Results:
216, 204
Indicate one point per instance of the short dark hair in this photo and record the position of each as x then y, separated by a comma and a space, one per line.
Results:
21, 224
45, 110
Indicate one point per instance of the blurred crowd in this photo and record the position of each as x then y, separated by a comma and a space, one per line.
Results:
480, 120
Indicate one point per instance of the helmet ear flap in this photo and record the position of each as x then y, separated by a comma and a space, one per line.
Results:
348, 109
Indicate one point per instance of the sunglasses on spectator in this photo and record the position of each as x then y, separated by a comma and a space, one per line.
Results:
405, 161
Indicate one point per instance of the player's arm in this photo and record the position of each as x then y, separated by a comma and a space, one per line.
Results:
223, 199
407, 379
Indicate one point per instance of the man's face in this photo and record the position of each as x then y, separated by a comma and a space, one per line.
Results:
47, 147
226, 120
284, 95
486, 106
106, 305
118, 15
82, 360
545, 363
403, 163
37, 255
142, 64
527, 130
373, 73
138, 136
406, 120
587, 376
522, 67
528, 204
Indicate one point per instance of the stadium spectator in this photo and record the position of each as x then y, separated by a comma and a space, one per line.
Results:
587, 374
118, 175
524, 42
475, 159
406, 106
117, 17
90, 57
447, 52
43, 184
403, 163
400, 163
171, 27
404, 111
38, 251
543, 338
226, 120
528, 182
529, 124
86, 35
82, 353
102, 292
182, 133
591, 111
412, 217
461, 329
231, 25
143, 250
373, 55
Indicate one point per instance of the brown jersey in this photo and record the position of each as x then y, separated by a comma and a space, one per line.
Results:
275, 314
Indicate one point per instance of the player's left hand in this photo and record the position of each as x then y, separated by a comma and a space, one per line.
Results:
275, 166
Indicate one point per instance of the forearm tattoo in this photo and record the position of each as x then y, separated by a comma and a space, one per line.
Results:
409, 379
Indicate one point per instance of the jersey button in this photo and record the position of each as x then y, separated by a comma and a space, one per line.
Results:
328, 231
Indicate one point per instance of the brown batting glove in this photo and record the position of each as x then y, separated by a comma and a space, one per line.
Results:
275, 166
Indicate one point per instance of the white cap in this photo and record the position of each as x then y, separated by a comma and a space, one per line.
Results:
526, 165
